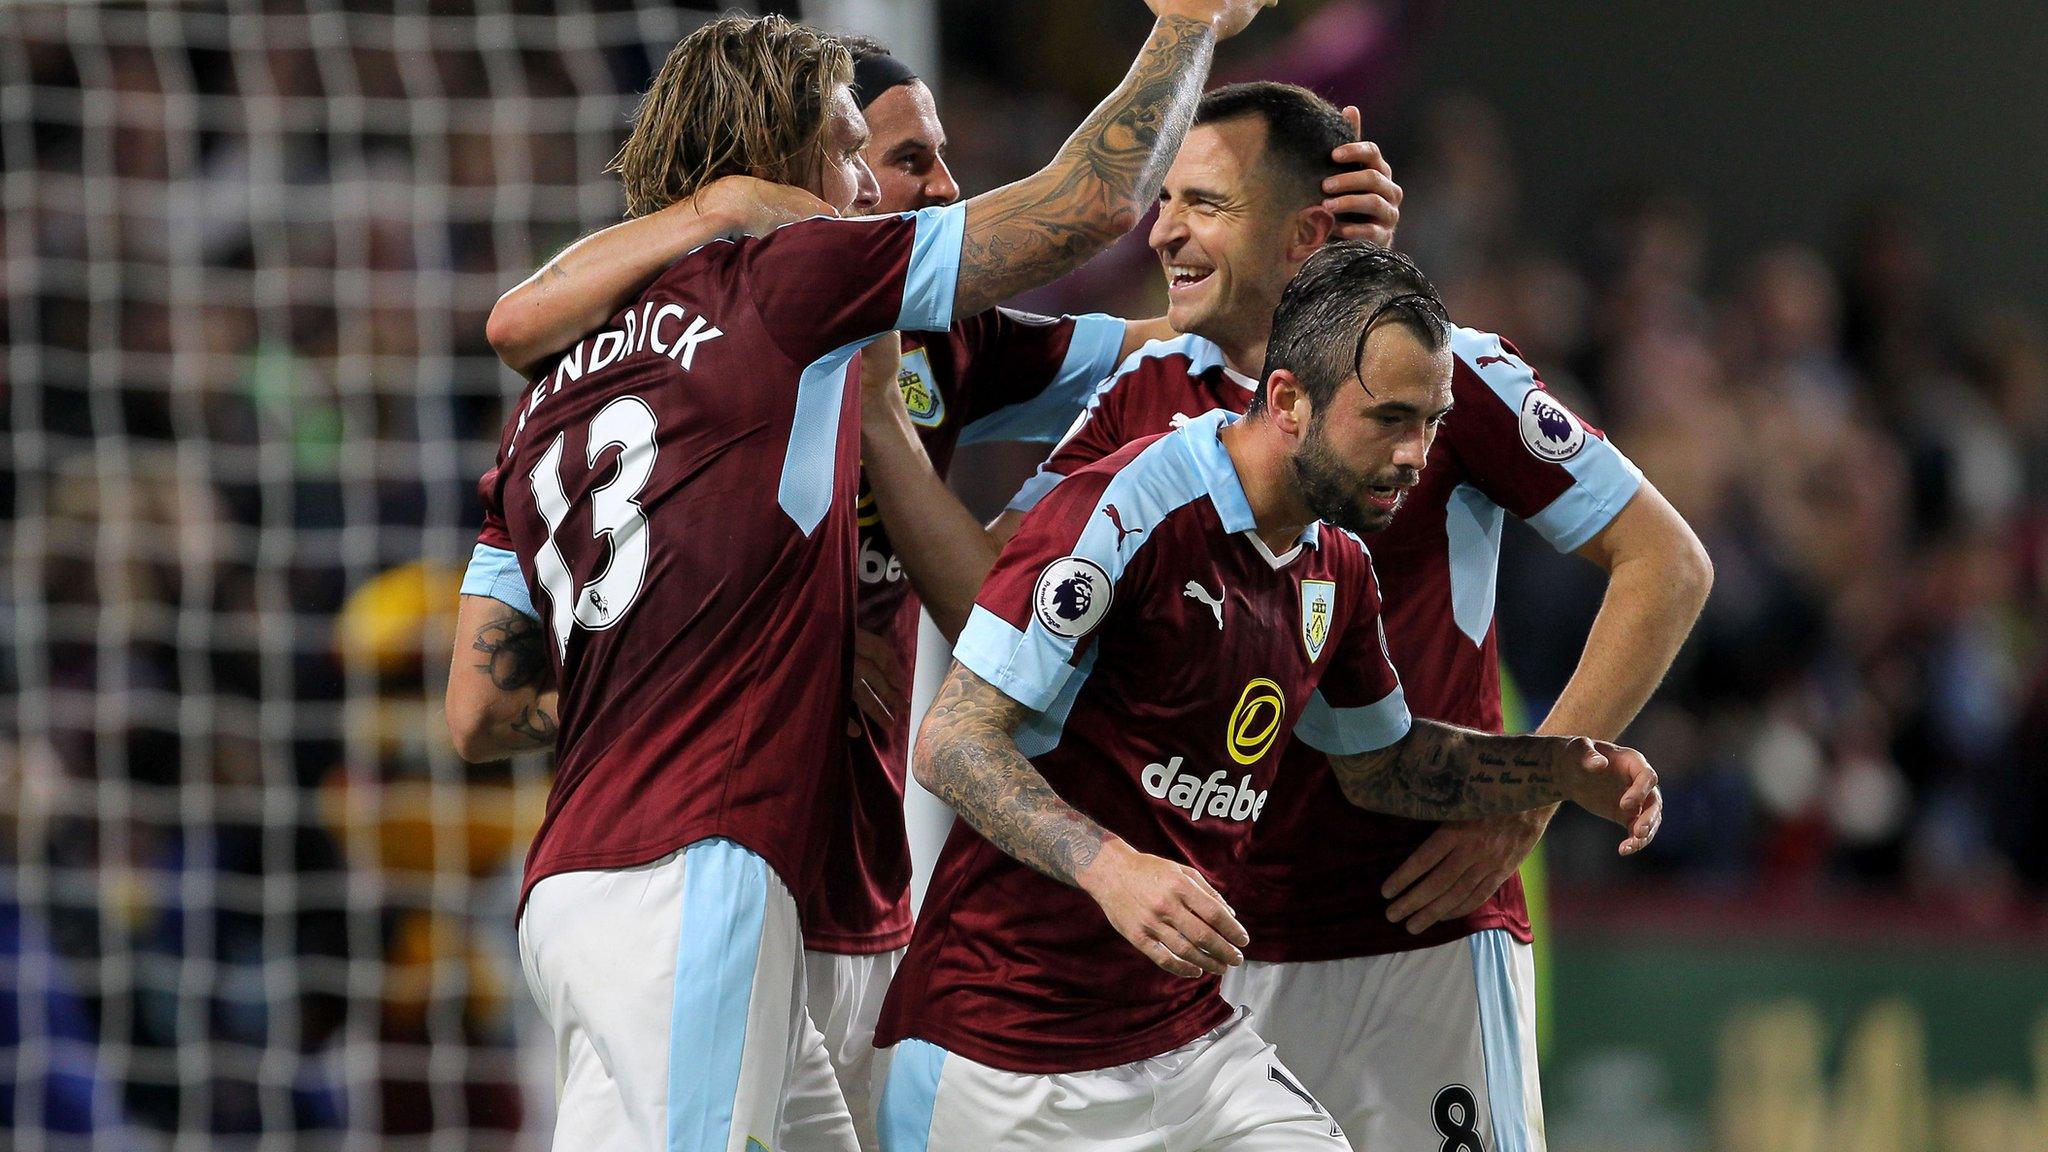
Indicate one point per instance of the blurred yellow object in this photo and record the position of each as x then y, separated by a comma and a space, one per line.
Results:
432, 955
423, 827
397, 618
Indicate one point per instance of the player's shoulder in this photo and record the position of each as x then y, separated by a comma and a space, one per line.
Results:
1486, 364
1147, 480
1185, 355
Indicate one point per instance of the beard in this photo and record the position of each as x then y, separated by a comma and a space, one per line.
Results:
1334, 491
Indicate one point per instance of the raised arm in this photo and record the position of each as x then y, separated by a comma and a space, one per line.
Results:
501, 692
1108, 172
946, 553
967, 756
1443, 772
591, 280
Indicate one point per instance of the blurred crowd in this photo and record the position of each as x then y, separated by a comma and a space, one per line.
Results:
1865, 455
245, 885
1863, 449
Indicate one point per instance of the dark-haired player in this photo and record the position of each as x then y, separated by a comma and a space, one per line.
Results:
1423, 922
1112, 726
676, 494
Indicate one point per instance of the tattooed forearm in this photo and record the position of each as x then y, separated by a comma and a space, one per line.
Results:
520, 714
515, 655
1104, 178
967, 756
1442, 772
535, 724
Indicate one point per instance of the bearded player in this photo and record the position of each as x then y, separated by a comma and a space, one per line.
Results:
1422, 922
1117, 707
998, 375
677, 495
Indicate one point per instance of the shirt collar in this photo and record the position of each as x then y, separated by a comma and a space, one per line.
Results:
1219, 475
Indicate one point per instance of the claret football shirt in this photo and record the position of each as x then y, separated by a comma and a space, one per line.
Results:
679, 490
1166, 654
1311, 891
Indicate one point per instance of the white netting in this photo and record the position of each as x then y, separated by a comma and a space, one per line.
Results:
248, 894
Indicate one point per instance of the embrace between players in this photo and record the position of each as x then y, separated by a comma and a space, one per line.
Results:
1235, 864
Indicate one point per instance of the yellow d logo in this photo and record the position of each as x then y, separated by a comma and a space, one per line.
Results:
1255, 722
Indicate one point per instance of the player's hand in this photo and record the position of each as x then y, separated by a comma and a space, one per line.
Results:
881, 689
1166, 910
1615, 783
1228, 17
1364, 197
1460, 867
757, 207
881, 362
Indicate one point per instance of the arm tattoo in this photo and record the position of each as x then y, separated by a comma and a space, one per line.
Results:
967, 756
514, 651
516, 660
1105, 176
1442, 772
533, 723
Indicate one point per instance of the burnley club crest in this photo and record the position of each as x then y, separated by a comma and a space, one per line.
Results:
1318, 603
921, 394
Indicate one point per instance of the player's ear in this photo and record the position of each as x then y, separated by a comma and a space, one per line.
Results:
1313, 226
1288, 402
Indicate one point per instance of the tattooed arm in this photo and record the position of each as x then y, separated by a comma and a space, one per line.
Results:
967, 756
1442, 772
1107, 173
501, 690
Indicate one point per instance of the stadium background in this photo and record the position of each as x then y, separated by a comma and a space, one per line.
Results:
1789, 257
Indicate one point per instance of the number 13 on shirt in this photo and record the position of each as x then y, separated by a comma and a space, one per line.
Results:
616, 516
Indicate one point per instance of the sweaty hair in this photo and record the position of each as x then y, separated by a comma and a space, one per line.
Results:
740, 96
1332, 304
1302, 129
863, 47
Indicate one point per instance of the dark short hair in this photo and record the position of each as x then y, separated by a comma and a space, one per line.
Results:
1343, 290
1302, 129
862, 47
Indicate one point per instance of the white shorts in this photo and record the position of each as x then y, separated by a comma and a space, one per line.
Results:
837, 1083
1434, 1048
676, 998
1225, 1090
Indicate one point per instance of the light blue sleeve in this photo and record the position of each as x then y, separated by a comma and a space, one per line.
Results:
1351, 731
1091, 355
1028, 668
494, 572
1033, 663
934, 273
1603, 482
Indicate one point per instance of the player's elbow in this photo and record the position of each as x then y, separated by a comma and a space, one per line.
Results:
511, 334
935, 745
1690, 572
469, 728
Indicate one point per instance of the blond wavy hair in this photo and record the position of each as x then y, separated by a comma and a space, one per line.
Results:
739, 96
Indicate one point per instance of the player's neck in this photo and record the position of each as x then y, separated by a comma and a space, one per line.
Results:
1245, 357
1259, 453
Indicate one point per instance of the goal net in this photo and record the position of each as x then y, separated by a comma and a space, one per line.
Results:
249, 897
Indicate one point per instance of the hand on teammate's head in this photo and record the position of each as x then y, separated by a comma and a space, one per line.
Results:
1364, 198
1228, 17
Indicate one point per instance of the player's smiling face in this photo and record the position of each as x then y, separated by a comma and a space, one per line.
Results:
907, 150
1224, 239
1367, 448
842, 177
